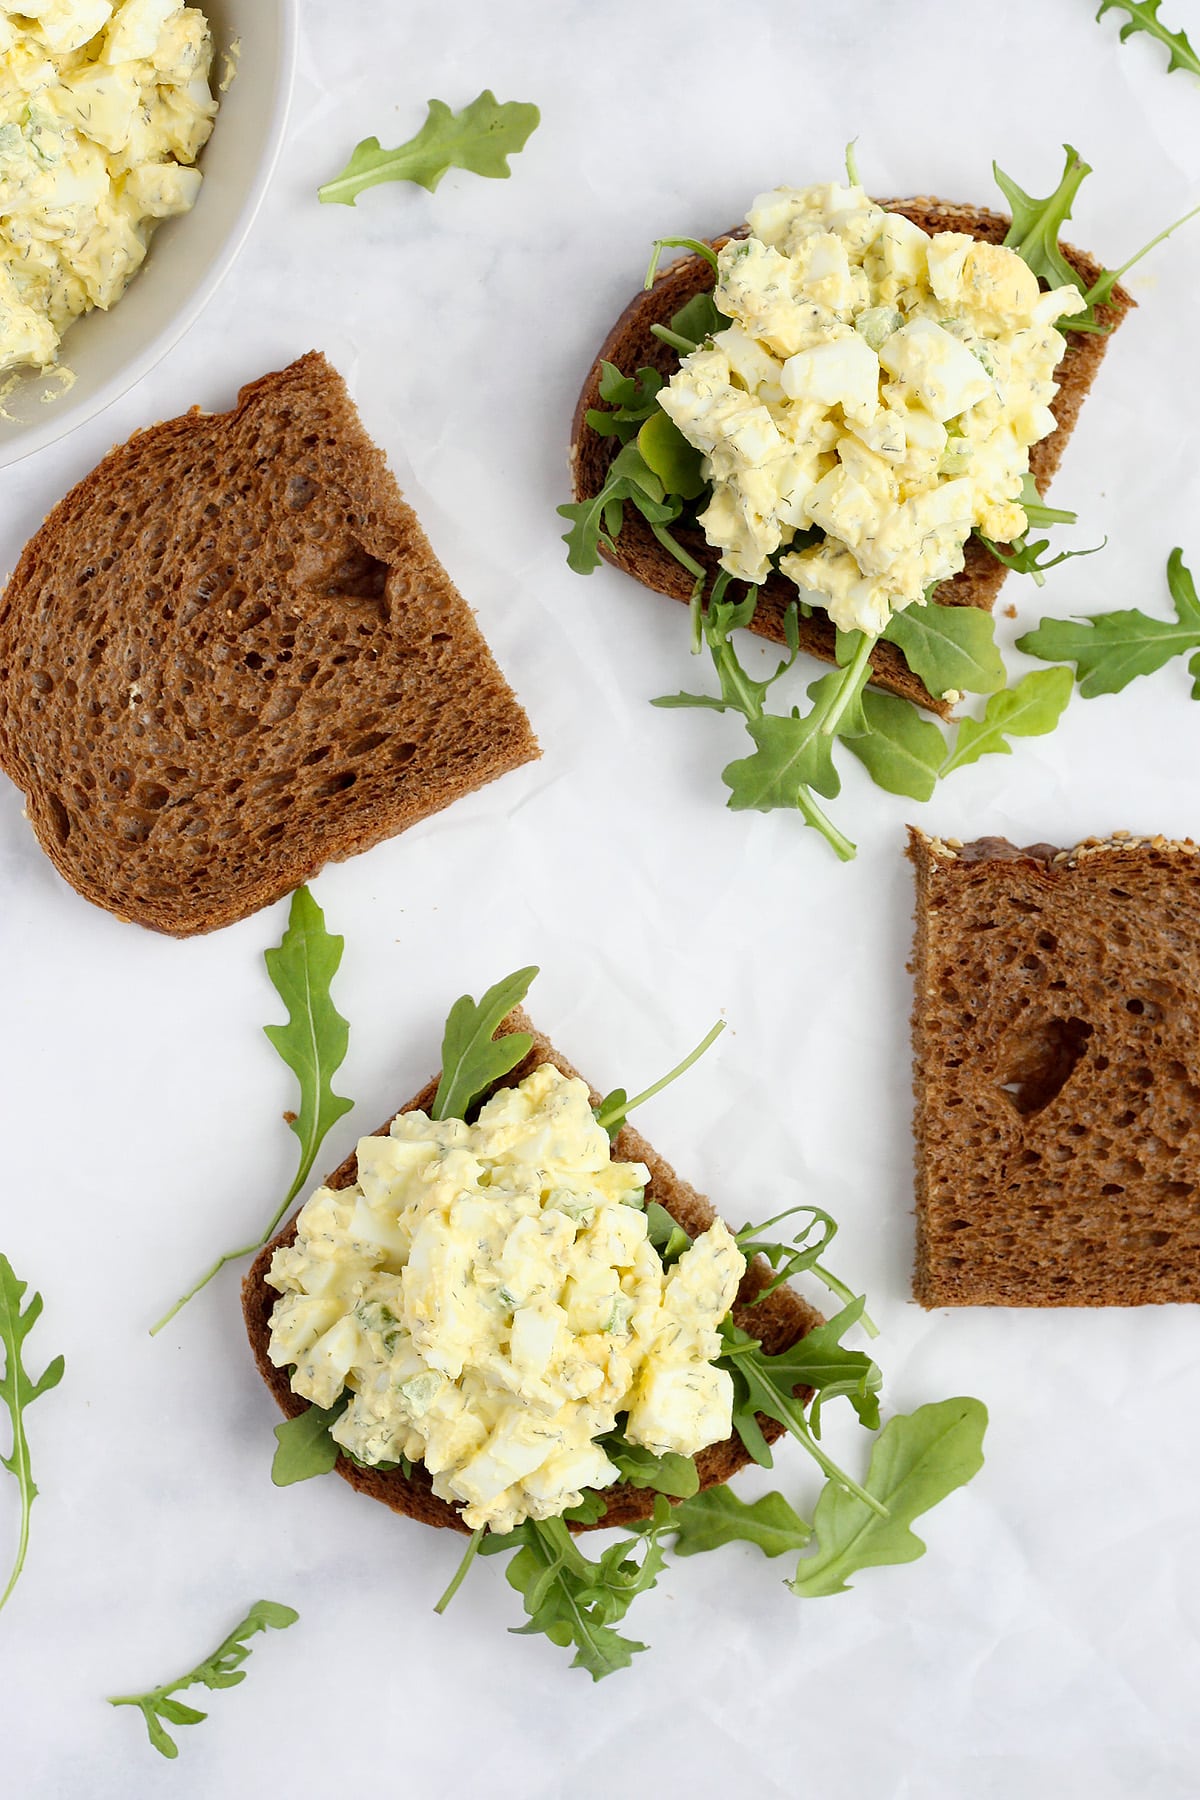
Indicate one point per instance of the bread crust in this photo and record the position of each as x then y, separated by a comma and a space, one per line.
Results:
779, 1321
230, 656
631, 345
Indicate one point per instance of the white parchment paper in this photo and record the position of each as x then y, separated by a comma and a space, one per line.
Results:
1047, 1644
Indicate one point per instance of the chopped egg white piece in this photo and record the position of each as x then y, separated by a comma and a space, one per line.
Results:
104, 107
878, 391
490, 1298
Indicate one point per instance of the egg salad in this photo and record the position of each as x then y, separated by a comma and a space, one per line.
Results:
489, 1297
877, 390
104, 108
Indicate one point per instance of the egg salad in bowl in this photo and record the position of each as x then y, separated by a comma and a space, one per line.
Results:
872, 400
104, 107
488, 1298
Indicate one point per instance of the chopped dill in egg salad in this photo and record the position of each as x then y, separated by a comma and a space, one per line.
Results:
499, 1299
104, 107
855, 398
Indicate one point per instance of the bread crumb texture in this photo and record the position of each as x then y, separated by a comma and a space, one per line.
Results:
1056, 1043
631, 345
779, 1321
230, 656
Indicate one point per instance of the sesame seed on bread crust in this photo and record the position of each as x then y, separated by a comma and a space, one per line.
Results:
631, 345
1056, 1061
779, 1321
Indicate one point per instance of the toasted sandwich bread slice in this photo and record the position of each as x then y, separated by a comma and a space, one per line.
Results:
631, 345
779, 1321
1056, 1056
230, 656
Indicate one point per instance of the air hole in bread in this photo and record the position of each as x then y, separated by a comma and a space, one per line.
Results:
337, 784
60, 818
1039, 1060
404, 753
300, 491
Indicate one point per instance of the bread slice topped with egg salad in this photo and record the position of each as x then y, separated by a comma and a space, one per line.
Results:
506, 1315
487, 1298
852, 406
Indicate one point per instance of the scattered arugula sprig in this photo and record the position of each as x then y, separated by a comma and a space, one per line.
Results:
918, 1459
1027, 556
223, 1669
574, 1600
480, 138
1111, 649
1034, 235
313, 1044
18, 1391
1143, 16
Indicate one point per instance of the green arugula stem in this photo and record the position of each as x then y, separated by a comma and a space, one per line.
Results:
233, 1255
787, 1411
840, 844
852, 682
676, 339
618, 1109
674, 548
460, 1574
845, 1295
695, 245
1102, 288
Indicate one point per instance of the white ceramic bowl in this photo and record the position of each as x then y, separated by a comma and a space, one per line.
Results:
188, 257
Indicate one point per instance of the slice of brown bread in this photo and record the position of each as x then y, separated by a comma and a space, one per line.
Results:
779, 1321
632, 345
230, 656
1056, 1044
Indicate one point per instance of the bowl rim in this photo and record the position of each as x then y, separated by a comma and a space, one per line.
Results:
62, 420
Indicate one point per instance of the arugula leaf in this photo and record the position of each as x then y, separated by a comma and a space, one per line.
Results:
480, 138
576, 1601
901, 751
220, 1670
917, 1460
949, 647
716, 1517
314, 1041
1030, 709
792, 754
1143, 16
313, 1044
305, 1447
666, 1236
699, 318
1111, 649
800, 1255
668, 1473
666, 451
1024, 557
615, 1107
630, 399
472, 1056
595, 523
590, 1511
18, 1391
767, 1384
1036, 224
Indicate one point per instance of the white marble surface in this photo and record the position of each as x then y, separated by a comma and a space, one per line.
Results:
1047, 1645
